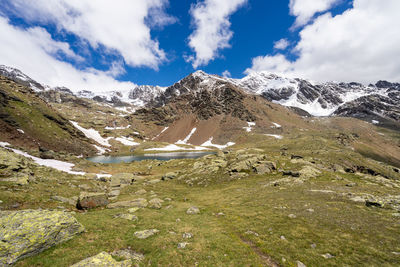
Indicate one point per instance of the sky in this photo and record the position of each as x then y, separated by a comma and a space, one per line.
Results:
110, 45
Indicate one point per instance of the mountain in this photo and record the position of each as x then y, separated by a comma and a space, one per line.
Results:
377, 102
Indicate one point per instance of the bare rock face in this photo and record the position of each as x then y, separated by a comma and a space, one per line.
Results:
28, 232
91, 200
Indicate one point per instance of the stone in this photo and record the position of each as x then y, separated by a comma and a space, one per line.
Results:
133, 210
102, 259
28, 232
264, 167
327, 256
126, 216
300, 264
313, 245
310, 210
114, 193
91, 200
292, 216
187, 235
64, 200
169, 175
251, 233
154, 181
283, 237
146, 233
20, 179
139, 202
193, 210
141, 192
182, 245
309, 172
155, 203
122, 179
128, 254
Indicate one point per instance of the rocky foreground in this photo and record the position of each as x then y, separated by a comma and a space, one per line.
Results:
273, 204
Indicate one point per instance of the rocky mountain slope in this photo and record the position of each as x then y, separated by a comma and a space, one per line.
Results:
28, 121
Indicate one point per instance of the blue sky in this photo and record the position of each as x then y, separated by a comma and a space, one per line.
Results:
86, 45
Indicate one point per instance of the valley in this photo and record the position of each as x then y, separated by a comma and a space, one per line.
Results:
294, 174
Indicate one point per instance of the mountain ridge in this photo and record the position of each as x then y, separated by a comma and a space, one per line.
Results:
317, 99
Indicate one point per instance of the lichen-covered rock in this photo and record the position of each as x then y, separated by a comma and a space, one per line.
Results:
128, 254
146, 233
139, 202
126, 216
102, 259
28, 232
91, 200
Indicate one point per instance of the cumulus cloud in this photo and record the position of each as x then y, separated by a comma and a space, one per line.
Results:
362, 44
282, 44
120, 26
33, 51
212, 29
304, 10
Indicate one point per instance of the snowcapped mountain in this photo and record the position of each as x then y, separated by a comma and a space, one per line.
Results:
378, 101
318, 99
19, 77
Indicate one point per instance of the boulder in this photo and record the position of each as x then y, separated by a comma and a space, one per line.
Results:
102, 259
140, 203
146, 233
28, 232
122, 179
309, 172
91, 200
155, 203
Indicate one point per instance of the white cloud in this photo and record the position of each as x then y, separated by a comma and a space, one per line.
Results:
304, 10
32, 51
282, 44
226, 74
362, 44
212, 29
120, 26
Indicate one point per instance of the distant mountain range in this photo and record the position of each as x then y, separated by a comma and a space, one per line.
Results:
379, 103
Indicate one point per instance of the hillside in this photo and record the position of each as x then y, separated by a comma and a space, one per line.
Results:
29, 122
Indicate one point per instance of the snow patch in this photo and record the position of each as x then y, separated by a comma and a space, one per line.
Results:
92, 134
21, 131
166, 128
276, 125
275, 136
209, 143
184, 141
103, 175
375, 122
127, 141
117, 128
250, 126
101, 150
52, 163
